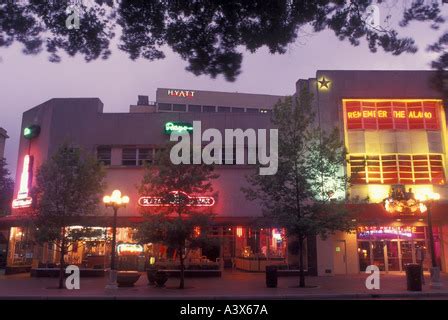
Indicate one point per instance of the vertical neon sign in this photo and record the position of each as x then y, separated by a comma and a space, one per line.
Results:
23, 199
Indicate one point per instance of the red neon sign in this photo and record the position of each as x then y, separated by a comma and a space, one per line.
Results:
176, 198
23, 199
395, 114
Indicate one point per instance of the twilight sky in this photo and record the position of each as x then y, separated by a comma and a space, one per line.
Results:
26, 81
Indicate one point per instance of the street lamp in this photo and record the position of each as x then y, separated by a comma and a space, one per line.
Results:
428, 200
115, 201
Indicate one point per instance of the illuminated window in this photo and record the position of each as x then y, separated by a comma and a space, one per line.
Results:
397, 168
393, 114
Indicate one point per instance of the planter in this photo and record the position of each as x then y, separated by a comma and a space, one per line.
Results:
161, 278
151, 275
271, 276
127, 278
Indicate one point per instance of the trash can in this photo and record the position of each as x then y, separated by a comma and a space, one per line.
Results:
271, 276
414, 277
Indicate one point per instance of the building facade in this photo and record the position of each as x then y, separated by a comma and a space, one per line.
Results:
393, 126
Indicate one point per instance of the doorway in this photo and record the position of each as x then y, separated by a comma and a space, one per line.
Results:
340, 257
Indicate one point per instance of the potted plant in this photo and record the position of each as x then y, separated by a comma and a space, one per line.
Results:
127, 278
161, 278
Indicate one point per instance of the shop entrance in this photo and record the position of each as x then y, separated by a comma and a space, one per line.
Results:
340, 257
390, 248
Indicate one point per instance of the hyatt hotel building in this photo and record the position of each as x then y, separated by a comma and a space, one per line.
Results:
393, 125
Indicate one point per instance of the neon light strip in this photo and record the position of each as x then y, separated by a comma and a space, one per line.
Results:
23, 199
192, 201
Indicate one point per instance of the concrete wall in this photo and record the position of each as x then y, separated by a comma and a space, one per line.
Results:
3, 137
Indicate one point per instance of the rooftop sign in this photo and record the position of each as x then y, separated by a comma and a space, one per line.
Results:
180, 93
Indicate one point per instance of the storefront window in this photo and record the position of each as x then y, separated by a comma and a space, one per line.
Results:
390, 248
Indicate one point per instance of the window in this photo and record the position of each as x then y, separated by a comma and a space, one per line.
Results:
223, 109
104, 155
145, 156
179, 107
393, 114
397, 168
252, 110
209, 108
137, 156
129, 157
194, 108
237, 109
164, 106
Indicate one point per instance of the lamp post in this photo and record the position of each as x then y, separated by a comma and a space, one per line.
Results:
115, 201
428, 200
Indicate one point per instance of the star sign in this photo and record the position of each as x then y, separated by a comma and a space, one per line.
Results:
324, 83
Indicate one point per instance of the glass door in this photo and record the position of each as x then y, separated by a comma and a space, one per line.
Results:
378, 255
406, 253
393, 255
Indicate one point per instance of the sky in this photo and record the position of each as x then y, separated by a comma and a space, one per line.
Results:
26, 81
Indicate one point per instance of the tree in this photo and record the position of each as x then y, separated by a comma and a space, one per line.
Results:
6, 189
310, 174
178, 225
69, 186
209, 35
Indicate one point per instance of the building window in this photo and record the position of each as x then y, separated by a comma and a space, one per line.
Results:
104, 155
237, 109
223, 109
179, 107
137, 156
129, 157
397, 168
209, 108
145, 156
194, 108
164, 106
252, 110
393, 114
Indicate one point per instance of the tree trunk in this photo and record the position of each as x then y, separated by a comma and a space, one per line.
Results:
61, 261
301, 266
182, 267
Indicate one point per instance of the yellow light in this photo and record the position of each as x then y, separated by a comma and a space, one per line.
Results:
377, 193
125, 199
435, 196
106, 199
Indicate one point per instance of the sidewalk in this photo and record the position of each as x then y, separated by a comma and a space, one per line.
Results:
233, 285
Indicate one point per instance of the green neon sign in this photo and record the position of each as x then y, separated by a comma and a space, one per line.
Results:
178, 127
31, 132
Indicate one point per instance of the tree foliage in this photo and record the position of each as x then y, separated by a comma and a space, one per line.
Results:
178, 226
6, 189
210, 35
69, 186
303, 196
